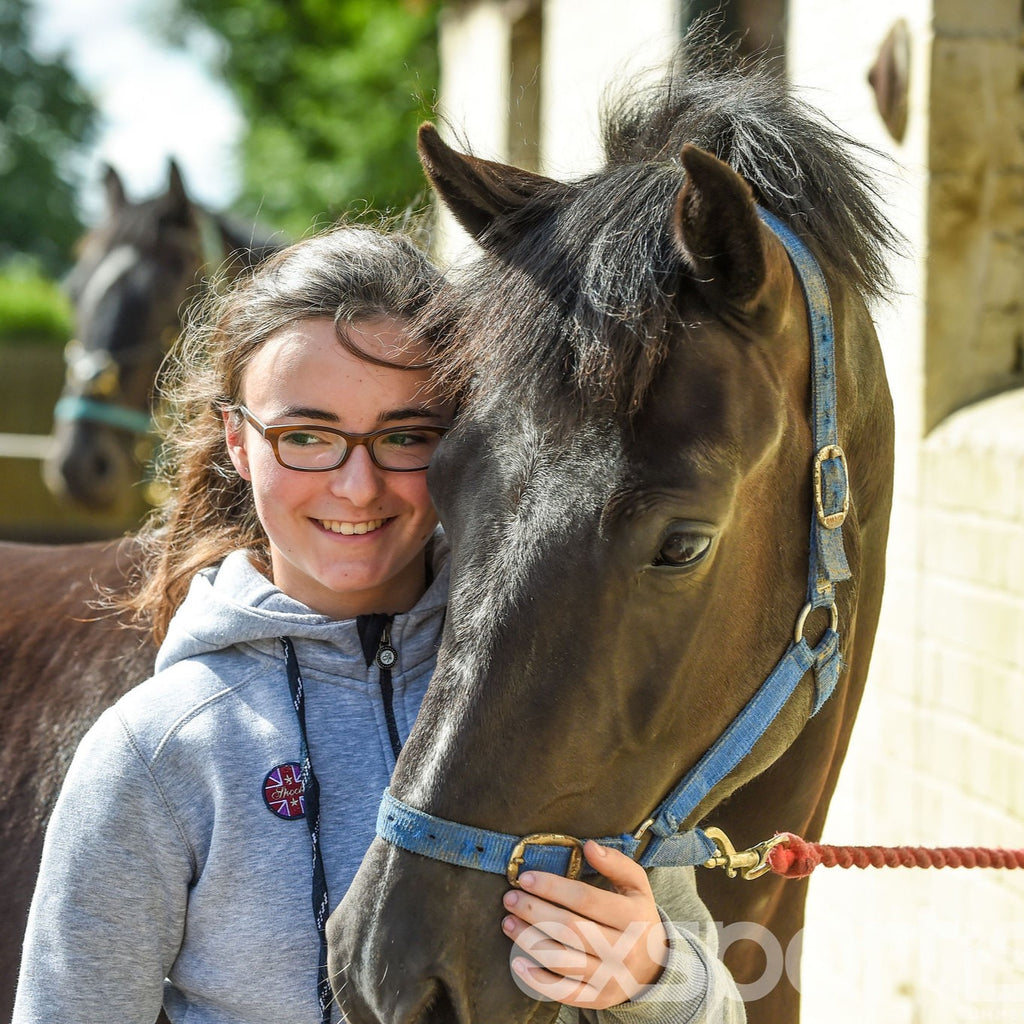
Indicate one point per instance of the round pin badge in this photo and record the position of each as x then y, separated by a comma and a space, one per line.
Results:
282, 791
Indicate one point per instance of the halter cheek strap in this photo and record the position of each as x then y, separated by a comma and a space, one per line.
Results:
658, 841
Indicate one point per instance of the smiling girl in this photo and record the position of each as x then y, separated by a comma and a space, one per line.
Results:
296, 580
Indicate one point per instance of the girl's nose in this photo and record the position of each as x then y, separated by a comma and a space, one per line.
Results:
357, 479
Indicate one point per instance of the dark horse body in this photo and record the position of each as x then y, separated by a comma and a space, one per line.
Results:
133, 278
627, 491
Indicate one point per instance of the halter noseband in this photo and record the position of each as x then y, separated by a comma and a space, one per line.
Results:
658, 841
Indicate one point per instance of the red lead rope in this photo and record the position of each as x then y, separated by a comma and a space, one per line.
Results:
795, 858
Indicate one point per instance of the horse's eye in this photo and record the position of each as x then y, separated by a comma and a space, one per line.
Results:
683, 548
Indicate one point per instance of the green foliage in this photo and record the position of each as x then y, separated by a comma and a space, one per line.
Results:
332, 91
33, 309
45, 117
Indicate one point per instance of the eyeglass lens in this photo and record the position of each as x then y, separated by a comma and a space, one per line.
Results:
405, 449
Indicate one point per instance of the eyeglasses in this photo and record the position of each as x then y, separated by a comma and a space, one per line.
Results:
314, 449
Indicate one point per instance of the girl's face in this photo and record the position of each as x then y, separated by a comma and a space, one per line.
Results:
303, 375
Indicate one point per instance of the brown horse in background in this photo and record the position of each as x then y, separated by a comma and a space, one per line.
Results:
627, 491
61, 663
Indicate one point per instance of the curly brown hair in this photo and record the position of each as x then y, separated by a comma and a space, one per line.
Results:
347, 274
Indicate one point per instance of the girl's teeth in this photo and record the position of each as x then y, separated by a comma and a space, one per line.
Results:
348, 529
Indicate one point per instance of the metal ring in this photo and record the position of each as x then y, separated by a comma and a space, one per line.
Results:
801, 619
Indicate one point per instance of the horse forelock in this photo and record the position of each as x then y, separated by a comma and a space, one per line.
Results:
577, 309
581, 290
801, 166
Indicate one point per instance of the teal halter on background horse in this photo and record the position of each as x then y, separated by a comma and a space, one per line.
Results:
627, 490
133, 278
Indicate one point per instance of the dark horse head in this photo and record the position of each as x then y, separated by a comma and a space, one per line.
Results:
628, 492
128, 287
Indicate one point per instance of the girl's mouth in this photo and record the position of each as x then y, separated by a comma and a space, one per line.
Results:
352, 529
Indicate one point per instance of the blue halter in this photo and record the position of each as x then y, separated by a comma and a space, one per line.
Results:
90, 410
658, 842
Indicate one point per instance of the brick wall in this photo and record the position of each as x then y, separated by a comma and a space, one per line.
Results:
938, 757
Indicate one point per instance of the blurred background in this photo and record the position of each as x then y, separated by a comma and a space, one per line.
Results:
289, 115
285, 115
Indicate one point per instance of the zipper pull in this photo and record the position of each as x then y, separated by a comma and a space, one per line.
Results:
386, 655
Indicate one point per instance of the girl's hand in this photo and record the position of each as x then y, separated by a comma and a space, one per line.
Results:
584, 946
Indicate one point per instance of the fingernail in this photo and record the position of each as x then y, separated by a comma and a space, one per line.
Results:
601, 851
520, 966
511, 899
508, 924
526, 879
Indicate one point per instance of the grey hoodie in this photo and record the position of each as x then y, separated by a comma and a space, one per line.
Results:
172, 872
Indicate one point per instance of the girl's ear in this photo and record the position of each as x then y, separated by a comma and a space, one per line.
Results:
233, 428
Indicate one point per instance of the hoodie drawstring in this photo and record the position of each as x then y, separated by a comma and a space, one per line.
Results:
311, 805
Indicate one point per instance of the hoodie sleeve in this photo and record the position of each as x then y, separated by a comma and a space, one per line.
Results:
109, 907
695, 987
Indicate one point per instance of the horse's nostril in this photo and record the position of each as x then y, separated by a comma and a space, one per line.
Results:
438, 1009
101, 467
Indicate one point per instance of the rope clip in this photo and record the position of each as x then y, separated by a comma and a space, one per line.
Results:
749, 864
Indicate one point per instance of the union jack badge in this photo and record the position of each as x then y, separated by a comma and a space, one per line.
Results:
282, 791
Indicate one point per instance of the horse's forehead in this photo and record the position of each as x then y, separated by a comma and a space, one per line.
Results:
111, 268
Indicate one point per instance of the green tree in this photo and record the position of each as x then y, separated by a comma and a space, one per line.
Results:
332, 92
45, 119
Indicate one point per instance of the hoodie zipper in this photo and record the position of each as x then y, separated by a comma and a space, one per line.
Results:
375, 637
385, 658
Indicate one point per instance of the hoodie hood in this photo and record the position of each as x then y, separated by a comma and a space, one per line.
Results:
234, 604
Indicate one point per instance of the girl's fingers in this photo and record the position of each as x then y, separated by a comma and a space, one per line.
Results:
623, 872
591, 947
543, 984
553, 956
562, 925
632, 899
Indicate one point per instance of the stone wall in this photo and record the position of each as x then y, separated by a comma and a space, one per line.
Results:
938, 752
975, 211
938, 757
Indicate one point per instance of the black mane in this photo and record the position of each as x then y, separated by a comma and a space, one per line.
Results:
574, 305
801, 166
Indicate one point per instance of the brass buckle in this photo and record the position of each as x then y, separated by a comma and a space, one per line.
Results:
749, 864
574, 845
830, 520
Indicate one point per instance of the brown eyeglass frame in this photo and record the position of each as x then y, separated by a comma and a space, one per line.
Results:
271, 433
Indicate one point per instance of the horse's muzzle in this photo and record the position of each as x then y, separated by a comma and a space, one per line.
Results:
417, 941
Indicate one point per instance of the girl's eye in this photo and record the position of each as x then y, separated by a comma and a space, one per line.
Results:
683, 548
304, 438
405, 439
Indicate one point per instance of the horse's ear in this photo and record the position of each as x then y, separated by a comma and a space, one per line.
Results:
114, 188
177, 193
478, 192
718, 229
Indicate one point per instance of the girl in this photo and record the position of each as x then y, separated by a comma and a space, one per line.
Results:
297, 582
